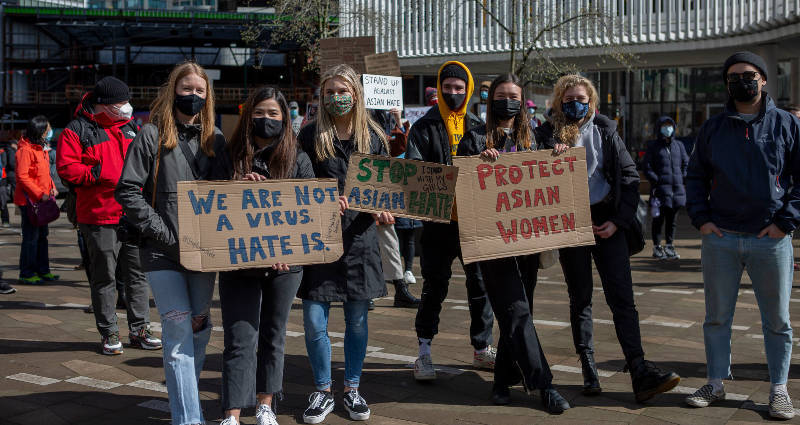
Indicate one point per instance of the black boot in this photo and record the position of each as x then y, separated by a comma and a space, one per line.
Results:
591, 383
553, 402
648, 380
501, 395
403, 298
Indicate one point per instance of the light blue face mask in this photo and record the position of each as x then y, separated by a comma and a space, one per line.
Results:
49, 136
667, 131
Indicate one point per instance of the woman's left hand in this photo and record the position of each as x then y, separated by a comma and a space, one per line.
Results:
560, 148
281, 267
255, 177
490, 155
343, 204
384, 218
605, 230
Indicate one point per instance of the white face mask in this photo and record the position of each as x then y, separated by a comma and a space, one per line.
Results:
123, 112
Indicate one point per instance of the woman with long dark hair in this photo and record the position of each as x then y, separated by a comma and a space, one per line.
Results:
614, 196
34, 185
256, 302
180, 144
510, 281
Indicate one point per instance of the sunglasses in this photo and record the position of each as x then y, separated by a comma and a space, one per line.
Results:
746, 76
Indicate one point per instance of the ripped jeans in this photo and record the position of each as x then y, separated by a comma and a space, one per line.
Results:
183, 301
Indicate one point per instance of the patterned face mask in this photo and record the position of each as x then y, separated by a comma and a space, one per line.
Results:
338, 104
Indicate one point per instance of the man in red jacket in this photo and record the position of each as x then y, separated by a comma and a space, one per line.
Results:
90, 155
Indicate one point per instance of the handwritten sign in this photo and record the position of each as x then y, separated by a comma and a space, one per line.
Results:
382, 92
230, 225
406, 188
414, 113
523, 203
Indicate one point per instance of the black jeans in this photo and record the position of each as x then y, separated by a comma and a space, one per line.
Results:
108, 259
509, 283
667, 219
441, 248
255, 312
406, 238
34, 257
5, 198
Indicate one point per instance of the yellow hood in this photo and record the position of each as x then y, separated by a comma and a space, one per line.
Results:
443, 108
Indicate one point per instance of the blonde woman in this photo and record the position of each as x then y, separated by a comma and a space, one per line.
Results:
181, 143
614, 197
343, 127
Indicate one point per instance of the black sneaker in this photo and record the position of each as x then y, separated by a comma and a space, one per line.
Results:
356, 406
648, 380
6, 288
320, 403
501, 395
553, 402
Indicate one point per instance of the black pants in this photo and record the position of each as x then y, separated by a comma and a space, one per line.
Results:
614, 267
5, 198
108, 259
441, 248
255, 312
509, 283
407, 242
667, 219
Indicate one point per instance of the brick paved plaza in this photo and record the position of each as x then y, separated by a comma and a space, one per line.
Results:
51, 372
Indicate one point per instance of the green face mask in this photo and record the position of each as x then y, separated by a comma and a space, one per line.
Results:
338, 104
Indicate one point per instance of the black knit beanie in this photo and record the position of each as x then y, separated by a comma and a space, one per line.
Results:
453, 71
746, 57
110, 90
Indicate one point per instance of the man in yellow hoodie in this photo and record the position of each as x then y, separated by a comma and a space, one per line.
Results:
435, 138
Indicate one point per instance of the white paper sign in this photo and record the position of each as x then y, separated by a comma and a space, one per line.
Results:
383, 92
414, 113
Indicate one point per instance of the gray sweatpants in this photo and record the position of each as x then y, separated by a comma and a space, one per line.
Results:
109, 258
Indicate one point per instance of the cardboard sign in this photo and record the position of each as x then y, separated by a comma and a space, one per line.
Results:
231, 225
416, 112
406, 188
382, 92
523, 203
349, 50
383, 64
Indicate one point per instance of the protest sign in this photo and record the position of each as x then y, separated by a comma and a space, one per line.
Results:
349, 50
522, 203
413, 189
382, 92
383, 64
414, 113
231, 225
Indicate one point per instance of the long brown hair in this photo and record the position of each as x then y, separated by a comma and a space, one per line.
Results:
242, 145
521, 129
567, 131
162, 110
361, 121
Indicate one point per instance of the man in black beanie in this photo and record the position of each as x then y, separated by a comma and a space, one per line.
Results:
91, 152
743, 193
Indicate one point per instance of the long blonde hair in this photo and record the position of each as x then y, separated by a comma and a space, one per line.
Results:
162, 110
360, 119
567, 131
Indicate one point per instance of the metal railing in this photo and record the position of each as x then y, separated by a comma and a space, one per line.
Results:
141, 96
418, 28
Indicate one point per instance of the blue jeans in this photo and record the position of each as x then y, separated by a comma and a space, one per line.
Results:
33, 256
318, 345
769, 264
183, 301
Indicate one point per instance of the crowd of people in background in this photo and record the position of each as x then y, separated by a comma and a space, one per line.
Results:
120, 183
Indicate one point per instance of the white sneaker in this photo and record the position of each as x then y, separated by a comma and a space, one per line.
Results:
486, 359
265, 415
704, 396
780, 406
409, 277
229, 421
423, 368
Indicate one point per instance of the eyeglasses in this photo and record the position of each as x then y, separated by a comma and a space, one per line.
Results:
747, 76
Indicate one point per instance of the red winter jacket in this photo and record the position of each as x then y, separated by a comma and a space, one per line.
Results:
33, 173
93, 165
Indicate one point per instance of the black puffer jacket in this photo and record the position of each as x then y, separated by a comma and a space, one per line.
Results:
664, 164
159, 224
358, 274
428, 140
619, 168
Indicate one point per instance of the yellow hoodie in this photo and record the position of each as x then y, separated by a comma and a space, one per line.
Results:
454, 120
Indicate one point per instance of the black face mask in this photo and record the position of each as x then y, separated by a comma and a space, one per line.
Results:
267, 128
743, 91
190, 104
453, 101
506, 108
